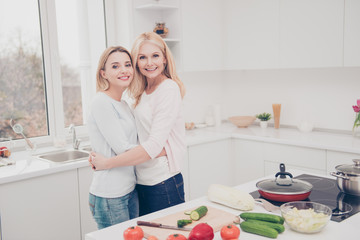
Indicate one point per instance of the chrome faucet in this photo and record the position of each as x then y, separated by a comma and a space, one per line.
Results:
75, 141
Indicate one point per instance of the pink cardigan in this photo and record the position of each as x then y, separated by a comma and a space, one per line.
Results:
167, 124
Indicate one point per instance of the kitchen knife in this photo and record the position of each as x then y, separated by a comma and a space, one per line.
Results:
159, 225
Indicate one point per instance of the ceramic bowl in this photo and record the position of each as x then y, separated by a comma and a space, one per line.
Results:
242, 121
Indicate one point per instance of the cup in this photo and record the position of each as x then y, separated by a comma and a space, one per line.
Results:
276, 109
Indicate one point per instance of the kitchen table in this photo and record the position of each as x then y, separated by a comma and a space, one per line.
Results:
334, 230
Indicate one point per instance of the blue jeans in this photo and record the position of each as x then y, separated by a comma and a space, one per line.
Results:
163, 195
110, 211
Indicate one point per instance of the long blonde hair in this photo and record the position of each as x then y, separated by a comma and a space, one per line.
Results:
139, 84
102, 84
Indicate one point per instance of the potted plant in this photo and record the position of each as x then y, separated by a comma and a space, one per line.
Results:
264, 117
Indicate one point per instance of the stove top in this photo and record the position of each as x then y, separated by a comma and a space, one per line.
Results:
325, 191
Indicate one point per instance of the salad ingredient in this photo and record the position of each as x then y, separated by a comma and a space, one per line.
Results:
202, 231
133, 233
183, 222
230, 197
176, 236
258, 229
277, 226
198, 213
262, 217
306, 220
229, 232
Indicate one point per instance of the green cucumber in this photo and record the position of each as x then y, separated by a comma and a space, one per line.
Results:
277, 226
198, 213
258, 229
183, 222
262, 217
187, 212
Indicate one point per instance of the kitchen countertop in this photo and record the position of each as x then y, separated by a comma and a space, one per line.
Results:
333, 231
28, 166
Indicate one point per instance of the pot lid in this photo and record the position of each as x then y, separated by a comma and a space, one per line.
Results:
280, 186
350, 169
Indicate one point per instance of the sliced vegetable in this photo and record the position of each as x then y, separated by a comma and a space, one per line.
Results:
183, 222
198, 213
258, 229
187, 212
231, 197
277, 226
262, 217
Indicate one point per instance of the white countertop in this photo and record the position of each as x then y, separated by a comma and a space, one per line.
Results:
333, 231
28, 166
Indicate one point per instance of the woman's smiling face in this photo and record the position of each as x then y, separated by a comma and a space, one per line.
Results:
118, 70
151, 61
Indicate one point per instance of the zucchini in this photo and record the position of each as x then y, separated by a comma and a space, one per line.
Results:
183, 222
258, 229
262, 217
198, 213
277, 226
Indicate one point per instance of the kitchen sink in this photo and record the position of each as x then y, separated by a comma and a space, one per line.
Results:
87, 148
64, 156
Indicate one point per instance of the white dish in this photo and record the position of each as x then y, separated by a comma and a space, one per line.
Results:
200, 125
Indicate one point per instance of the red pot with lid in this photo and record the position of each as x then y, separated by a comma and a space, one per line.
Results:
284, 188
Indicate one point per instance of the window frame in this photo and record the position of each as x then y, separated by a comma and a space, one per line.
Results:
52, 74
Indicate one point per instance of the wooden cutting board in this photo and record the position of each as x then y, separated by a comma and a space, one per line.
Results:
215, 217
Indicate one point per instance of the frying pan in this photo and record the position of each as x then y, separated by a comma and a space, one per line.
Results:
284, 188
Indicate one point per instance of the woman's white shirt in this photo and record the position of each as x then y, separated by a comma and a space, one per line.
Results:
160, 123
112, 131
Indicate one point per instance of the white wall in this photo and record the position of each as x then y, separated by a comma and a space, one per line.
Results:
324, 96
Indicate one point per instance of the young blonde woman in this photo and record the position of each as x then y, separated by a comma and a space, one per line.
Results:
157, 92
112, 130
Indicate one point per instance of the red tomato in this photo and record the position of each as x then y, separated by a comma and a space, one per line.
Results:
202, 231
152, 238
176, 236
230, 232
133, 233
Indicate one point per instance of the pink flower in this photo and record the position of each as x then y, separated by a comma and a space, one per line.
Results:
357, 107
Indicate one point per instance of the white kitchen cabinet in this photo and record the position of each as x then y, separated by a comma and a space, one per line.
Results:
44, 207
146, 13
311, 33
251, 32
209, 163
249, 163
352, 33
88, 223
335, 158
307, 159
203, 35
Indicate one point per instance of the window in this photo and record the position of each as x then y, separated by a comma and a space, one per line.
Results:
48, 57
22, 95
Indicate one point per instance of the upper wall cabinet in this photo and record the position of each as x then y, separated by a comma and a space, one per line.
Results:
352, 33
147, 13
203, 35
311, 33
251, 34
